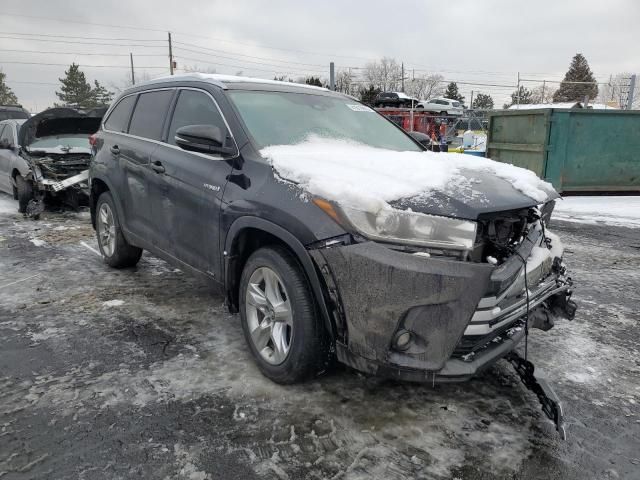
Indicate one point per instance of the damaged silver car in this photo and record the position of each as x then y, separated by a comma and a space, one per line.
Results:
45, 159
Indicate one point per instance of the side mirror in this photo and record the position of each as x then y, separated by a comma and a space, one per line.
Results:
5, 145
202, 138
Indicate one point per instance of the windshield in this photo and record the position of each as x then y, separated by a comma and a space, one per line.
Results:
62, 141
284, 118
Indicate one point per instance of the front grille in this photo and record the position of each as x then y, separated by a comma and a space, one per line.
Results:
474, 343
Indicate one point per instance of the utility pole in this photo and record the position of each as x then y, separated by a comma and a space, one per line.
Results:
332, 76
471, 102
170, 55
133, 77
518, 91
544, 84
402, 77
632, 88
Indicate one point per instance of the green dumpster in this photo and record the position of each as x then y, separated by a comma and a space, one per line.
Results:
577, 150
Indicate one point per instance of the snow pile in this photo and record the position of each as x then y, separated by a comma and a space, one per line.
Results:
617, 211
365, 177
7, 204
570, 105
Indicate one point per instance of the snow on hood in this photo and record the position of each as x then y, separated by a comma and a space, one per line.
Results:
361, 176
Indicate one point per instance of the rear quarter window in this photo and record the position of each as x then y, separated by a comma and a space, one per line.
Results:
119, 118
149, 114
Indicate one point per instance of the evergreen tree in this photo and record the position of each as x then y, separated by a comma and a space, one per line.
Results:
579, 71
482, 102
76, 90
101, 96
452, 92
313, 81
368, 95
526, 97
7, 97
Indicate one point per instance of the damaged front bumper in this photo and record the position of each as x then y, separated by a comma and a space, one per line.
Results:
413, 318
70, 189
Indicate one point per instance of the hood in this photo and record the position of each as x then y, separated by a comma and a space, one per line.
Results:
60, 121
369, 179
478, 193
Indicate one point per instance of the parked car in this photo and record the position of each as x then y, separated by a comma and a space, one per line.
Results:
443, 106
395, 100
46, 157
428, 289
15, 112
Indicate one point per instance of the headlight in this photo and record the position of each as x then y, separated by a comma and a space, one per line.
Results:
406, 227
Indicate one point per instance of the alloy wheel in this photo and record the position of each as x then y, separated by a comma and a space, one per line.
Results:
106, 229
269, 315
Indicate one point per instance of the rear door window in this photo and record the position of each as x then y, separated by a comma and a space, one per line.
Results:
119, 117
149, 114
194, 108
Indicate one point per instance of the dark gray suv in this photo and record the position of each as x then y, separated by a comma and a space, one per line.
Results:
428, 287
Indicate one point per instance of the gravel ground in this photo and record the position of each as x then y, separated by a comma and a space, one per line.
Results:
142, 373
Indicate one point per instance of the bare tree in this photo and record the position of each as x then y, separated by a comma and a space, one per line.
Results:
126, 82
344, 82
199, 69
617, 91
385, 74
425, 87
543, 94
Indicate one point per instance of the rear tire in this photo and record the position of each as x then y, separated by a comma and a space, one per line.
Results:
279, 317
24, 191
115, 249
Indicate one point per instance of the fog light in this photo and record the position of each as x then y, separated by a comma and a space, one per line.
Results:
402, 340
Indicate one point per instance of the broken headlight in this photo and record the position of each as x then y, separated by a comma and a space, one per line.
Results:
411, 228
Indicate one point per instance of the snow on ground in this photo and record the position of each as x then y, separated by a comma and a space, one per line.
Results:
367, 177
618, 211
7, 204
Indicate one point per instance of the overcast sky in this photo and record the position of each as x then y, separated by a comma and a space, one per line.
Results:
475, 41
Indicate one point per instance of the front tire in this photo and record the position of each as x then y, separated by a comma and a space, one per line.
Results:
115, 249
279, 318
24, 193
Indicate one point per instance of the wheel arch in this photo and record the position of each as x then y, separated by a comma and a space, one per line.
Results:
246, 235
98, 186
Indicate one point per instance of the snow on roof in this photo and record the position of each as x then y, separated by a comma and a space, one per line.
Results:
366, 177
224, 79
531, 106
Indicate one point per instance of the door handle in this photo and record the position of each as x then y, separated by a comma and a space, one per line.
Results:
115, 150
157, 167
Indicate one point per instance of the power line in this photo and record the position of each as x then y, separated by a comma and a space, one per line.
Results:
81, 43
248, 56
84, 38
66, 20
80, 65
82, 54
32, 83
247, 61
242, 67
187, 34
